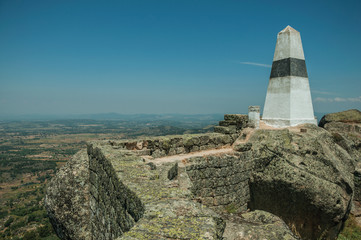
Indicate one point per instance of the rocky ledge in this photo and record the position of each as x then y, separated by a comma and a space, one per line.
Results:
257, 184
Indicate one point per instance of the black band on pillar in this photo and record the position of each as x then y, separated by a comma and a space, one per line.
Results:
289, 67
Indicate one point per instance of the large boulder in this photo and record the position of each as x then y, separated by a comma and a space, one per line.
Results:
67, 199
257, 225
349, 116
304, 177
345, 128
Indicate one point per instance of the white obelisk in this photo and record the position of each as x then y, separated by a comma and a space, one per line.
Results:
288, 100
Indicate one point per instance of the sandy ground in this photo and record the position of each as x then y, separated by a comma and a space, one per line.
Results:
297, 128
180, 157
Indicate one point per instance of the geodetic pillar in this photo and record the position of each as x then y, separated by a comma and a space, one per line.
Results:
288, 100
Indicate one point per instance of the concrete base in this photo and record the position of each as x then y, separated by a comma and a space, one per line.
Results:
280, 123
288, 101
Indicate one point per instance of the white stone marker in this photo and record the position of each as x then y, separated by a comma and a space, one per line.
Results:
253, 116
288, 100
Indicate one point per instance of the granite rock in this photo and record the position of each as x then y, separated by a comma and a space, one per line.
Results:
304, 178
257, 225
348, 116
67, 199
345, 128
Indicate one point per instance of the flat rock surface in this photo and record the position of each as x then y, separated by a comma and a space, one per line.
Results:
180, 157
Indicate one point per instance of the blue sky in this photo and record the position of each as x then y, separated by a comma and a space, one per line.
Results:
132, 56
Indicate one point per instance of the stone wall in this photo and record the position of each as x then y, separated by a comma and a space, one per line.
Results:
220, 181
232, 124
114, 207
131, 198
172, 145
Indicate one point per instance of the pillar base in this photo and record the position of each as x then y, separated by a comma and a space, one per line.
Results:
279, 123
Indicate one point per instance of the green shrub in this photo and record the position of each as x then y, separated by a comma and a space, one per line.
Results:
23, 211
3, 214
351, 231
45, 230
231, 208
8, 222
17, 225
34, 217
51, 237
31, 235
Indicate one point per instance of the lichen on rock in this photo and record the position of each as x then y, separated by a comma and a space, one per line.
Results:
67, 199
257, 225
297, 184
304, 178
345, 128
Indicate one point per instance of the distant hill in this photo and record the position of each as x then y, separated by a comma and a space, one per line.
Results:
117, 116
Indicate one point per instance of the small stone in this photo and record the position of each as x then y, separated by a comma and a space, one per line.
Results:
152, 166
243, 147
139, 145
225, 130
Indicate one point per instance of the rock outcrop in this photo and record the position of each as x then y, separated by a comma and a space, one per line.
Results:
345, 128
257, 225
67, 199
349, 116
304, 178
346, 131
297, 183
232, 123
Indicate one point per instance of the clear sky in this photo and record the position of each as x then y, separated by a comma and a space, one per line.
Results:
169, 56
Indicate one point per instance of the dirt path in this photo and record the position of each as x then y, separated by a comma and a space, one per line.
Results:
247, 132
189, 155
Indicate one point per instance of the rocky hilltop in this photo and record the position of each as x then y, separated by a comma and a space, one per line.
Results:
237, 183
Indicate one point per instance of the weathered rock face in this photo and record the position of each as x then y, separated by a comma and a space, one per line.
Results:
109, 191
67, 199
220, 182
304, 178
124, 190
349, 116
133, 199
345, 128
233, 123
257, 225
346, 131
